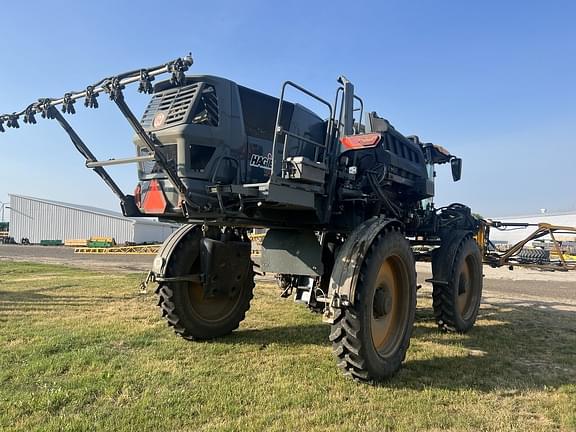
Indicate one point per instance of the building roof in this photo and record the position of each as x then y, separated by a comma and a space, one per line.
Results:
93, 210
537, 215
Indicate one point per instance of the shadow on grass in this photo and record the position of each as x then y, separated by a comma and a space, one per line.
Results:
306, 334
514, 346
46, 298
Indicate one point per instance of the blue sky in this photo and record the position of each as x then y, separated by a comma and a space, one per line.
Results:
492, 81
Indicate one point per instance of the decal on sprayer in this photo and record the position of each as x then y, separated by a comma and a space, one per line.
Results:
259, 161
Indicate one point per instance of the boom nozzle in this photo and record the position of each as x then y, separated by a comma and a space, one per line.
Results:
145, 85
29, 115
178, 67
90, 98
68, 104
188, 60
13, 121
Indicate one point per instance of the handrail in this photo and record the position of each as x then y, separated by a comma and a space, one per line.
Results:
358, 98
361, 112
278, 129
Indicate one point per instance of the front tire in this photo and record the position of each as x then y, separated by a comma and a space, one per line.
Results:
186, 309
457, 268
371, 337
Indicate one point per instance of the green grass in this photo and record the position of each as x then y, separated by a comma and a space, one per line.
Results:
81, 350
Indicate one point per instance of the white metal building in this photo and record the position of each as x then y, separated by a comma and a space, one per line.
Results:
40, 219
515, 235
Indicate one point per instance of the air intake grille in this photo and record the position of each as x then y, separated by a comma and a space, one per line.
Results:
175, 103
207, 110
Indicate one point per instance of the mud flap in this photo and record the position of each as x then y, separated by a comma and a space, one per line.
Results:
224, 266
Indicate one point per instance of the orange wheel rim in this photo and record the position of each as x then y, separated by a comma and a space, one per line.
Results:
390, 306
465, 289
211, 309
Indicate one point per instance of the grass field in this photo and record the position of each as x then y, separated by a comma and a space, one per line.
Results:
85, 351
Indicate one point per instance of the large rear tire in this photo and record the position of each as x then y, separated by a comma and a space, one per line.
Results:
457, 293
184, 306
371, 337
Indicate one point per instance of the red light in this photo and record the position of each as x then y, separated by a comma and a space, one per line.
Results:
361, 141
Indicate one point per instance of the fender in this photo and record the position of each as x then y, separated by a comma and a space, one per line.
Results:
163, 256
348, 262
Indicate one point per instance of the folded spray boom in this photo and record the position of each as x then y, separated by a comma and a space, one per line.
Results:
113, 86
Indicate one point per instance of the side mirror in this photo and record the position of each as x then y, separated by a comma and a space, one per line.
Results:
456, 165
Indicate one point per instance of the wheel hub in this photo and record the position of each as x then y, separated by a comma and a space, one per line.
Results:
463, 284
382, 302
465, 291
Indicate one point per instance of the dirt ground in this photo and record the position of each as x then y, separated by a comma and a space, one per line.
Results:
541, 289
66, 255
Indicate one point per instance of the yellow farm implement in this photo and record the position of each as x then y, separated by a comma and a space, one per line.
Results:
557, 259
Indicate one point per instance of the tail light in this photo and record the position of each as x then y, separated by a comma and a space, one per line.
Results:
360, 141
